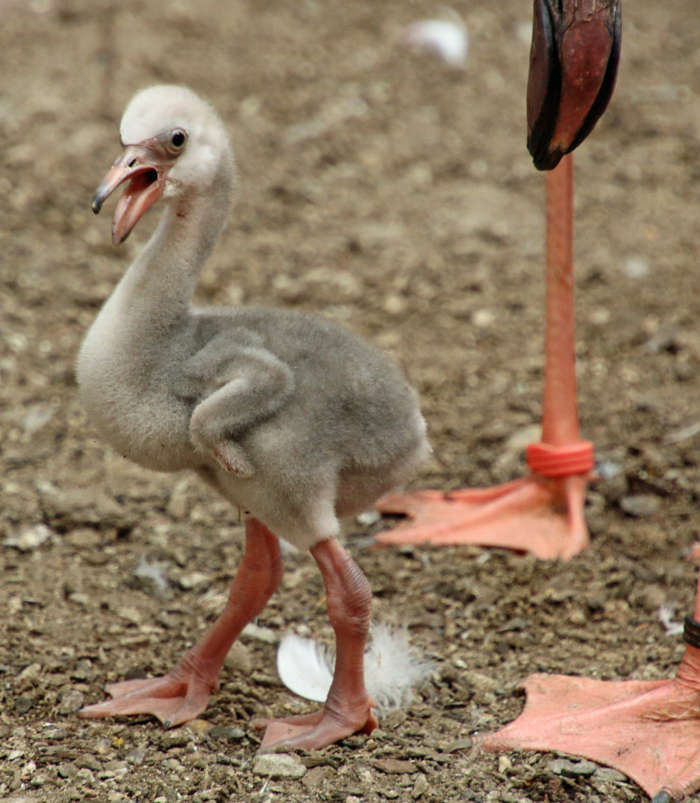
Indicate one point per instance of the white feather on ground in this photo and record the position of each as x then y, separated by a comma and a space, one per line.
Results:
445, 37
393, 668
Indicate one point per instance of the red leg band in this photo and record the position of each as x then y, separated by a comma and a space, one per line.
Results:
560, 461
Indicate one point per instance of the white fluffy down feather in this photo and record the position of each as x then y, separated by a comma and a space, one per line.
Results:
393, 668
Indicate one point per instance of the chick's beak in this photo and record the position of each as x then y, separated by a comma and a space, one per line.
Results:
144, 171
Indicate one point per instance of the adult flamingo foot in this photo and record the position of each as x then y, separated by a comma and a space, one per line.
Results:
537, 514
649, 730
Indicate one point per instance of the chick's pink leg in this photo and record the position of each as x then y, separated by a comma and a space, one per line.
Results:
348, 708
183, 693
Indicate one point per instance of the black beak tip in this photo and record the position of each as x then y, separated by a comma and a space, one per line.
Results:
96, 205
545, 158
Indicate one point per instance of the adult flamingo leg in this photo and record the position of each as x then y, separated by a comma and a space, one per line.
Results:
184, 692
543, 512
649, 730
348, 708
573, 65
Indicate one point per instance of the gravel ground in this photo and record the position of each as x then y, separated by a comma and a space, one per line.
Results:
393, 195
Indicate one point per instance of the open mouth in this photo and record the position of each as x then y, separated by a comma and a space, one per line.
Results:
143, 189
142, 181
139, 182
142, 173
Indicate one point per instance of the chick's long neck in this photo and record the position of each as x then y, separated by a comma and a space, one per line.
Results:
130, 352
156, 290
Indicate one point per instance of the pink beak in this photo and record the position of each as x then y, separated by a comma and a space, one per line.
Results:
145, 169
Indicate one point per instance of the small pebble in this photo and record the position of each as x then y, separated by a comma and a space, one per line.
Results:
600, 316
609, 775
85, 776
71, 702
53, 732
563, 766
193, 580
88, 762
504, 764
199, 727
481, 682
483, 318
278, 765
29, 675
137, 756
636, 267
23, 704
83, 538
461, 744
227, 733
239, 658
67, 770
84, 670
578, 617
178, 737
37, 780
29, 538
115, 769
395, 766
639, 505
394, 304
259, 633
132, 615
420, 787
77, 598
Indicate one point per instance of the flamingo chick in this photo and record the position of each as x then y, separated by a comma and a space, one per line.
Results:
291, 418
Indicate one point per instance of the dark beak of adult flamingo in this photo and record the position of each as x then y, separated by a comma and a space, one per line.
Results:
573, 65
145, 168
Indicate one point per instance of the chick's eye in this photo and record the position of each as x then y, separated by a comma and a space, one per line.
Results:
177, 139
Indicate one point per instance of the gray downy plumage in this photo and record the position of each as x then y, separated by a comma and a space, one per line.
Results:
291, 418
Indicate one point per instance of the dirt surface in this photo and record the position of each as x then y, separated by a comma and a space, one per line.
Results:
395, 196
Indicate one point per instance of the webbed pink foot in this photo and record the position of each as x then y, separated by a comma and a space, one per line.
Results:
316, 730
171, 699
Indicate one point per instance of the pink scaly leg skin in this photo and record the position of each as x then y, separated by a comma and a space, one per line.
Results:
649, 730
184, 692
348, 708
541, 513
